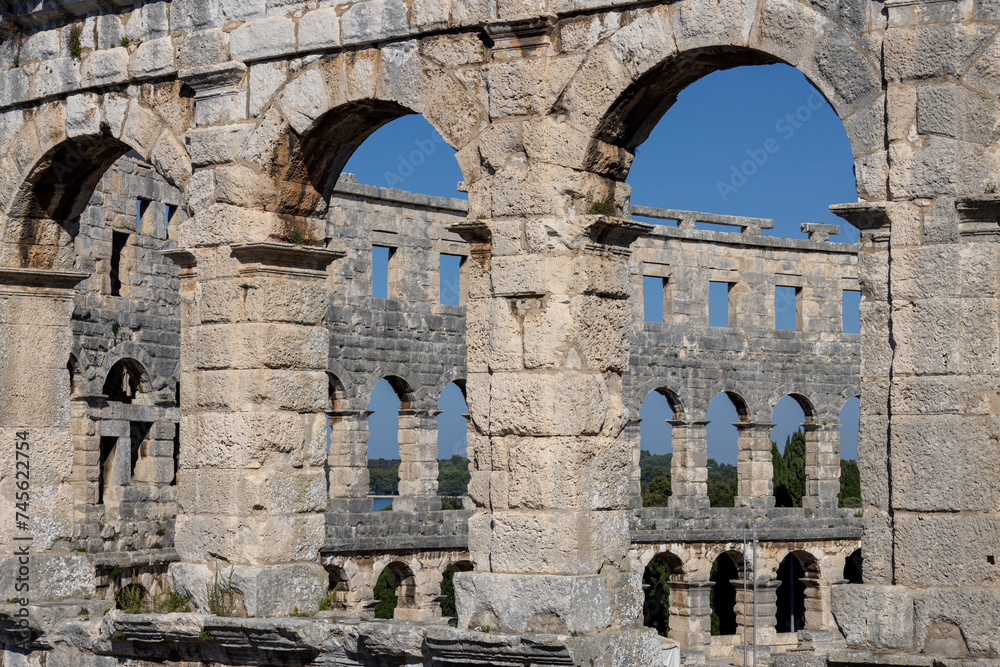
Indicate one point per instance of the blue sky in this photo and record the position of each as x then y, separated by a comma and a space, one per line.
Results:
757, 141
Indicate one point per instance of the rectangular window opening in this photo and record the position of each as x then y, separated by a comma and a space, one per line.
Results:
450, 275
170, 211
381, 257
653, 290
851, 307
141, 206
786, 308
177, 453
718, 304
139, 436
106, 466
118, 242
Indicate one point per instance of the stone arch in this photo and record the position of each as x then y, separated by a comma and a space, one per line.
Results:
56, 159
674, 399
406, 583
746, 409
728, 566
629, 80
335, 392
798, 574
809, 408
135, 355
298, 148
126, 380
402, 389
662, 569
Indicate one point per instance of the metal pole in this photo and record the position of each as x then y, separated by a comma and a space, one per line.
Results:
755, 592
744, 596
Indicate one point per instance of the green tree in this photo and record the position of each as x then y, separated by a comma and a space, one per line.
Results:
795, 467
722, 494
657, 493
656, 609
779, 477
385, 593
453, 476
448, 607
383, 477
850, 484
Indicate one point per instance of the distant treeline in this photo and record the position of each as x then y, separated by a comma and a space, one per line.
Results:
453, 476
789, 477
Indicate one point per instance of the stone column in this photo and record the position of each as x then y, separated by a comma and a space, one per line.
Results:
631, 435
254, 346
822, 466
766, 619
548, 322
754, 466
418, 468
36, 308
817, 604
689, 465
691, 615
348, 461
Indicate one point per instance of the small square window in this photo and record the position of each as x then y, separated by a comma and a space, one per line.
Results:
718, 304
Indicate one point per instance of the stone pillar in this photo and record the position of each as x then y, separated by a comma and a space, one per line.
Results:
689, 465
817, 604
631, 435
754, 465
254, 346
691, 615
822, 466
766, 619
348, 461
548, 334
36, 308
418, 468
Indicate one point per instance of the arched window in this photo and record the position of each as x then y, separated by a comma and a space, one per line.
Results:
723, 448
655, 446
726, 568
395, 588
124, 381
789, 415
656, 591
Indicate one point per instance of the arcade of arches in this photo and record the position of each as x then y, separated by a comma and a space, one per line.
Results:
186, 302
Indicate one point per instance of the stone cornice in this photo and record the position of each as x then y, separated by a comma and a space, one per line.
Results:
46, 278
284, 258
978, 215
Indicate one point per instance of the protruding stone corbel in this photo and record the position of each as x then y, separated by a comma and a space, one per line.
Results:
818, 231
618, 232
871, 218
40, 282
214, 80
284, 259
519, 37
473, 231
978, 215
185, 260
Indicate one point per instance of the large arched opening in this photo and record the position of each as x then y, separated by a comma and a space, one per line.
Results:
656, 446
661, 570
722, 437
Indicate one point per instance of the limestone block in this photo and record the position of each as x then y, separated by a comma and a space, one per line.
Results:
241, 440
152, 58
265, 79
148, 23
945, 549
874, 617
275, 590
53, 576
699, 24
262, 39
534, 603
969, 611
272, 345
373, 20
785, 30
559, 403
60, 75
306, 98
243, 492
563, 542
646, 41
83, 115
925, 342
319, 29
141, 129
